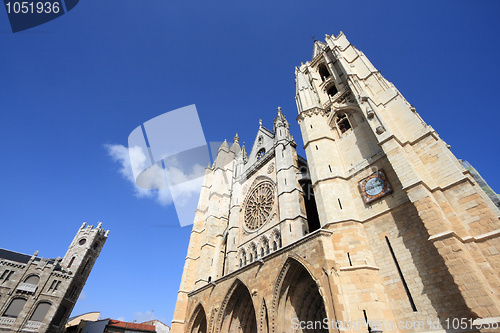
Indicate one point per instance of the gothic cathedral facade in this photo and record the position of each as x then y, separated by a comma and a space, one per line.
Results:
380, 225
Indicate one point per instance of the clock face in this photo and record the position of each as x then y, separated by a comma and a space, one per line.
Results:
374, 186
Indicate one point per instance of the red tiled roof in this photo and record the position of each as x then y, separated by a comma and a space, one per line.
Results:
133, 326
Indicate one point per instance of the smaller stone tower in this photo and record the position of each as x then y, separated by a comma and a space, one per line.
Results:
38, 294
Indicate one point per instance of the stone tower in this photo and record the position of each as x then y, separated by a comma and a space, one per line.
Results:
381, 224
38, 294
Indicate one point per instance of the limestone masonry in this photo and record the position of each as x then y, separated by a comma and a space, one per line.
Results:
381, 223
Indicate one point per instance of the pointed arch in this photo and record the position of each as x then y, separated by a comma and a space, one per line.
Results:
263, 246
276, 239
264, 318
198, 321
242, 255
237, 312
252, 252
296, 295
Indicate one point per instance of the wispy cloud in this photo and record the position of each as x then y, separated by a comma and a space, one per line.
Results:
141, 317
83, 296
184, 184
136, 161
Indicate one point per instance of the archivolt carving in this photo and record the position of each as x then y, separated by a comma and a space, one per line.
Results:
310, 288
194, 316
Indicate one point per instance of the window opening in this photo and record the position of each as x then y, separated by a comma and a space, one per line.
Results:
33, 279
349, 257
15, 308
340, 203
40, 312
343, 123
261, 153
323, 72
71, 262
366, 321
332, 90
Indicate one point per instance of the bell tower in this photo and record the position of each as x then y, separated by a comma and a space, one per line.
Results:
370, 154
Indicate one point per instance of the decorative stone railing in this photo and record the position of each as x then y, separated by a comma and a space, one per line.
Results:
27, 287
7, 321
32, 325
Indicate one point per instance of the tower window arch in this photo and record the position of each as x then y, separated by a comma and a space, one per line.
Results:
332, 90
71, 262
343, 123
324, 73
15, 308
261, 153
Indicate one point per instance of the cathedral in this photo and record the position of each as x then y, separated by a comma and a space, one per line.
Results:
380, 229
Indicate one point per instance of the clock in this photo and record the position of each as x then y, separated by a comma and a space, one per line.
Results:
374, 186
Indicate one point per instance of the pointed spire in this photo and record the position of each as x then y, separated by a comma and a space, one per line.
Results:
235, 147
260, 123
280, 120
244, 153
224, 145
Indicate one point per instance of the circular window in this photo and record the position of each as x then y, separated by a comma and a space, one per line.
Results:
82, 241
259, 205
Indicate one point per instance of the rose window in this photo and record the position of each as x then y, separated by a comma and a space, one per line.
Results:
259, 205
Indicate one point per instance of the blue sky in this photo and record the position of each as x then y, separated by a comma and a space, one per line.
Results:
74, 86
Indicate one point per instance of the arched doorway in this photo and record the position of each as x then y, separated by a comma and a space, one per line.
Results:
239, 314
300, 306
199, 321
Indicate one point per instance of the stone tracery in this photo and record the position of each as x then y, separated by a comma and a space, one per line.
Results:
259, 205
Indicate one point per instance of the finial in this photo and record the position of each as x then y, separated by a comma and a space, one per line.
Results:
260, 122
279, 109
99, 225
36, 253
236, 138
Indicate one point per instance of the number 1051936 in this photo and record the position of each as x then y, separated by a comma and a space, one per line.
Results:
26, 7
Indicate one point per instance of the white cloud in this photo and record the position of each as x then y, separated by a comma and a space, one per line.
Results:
141, 317
83, 296
133, 161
